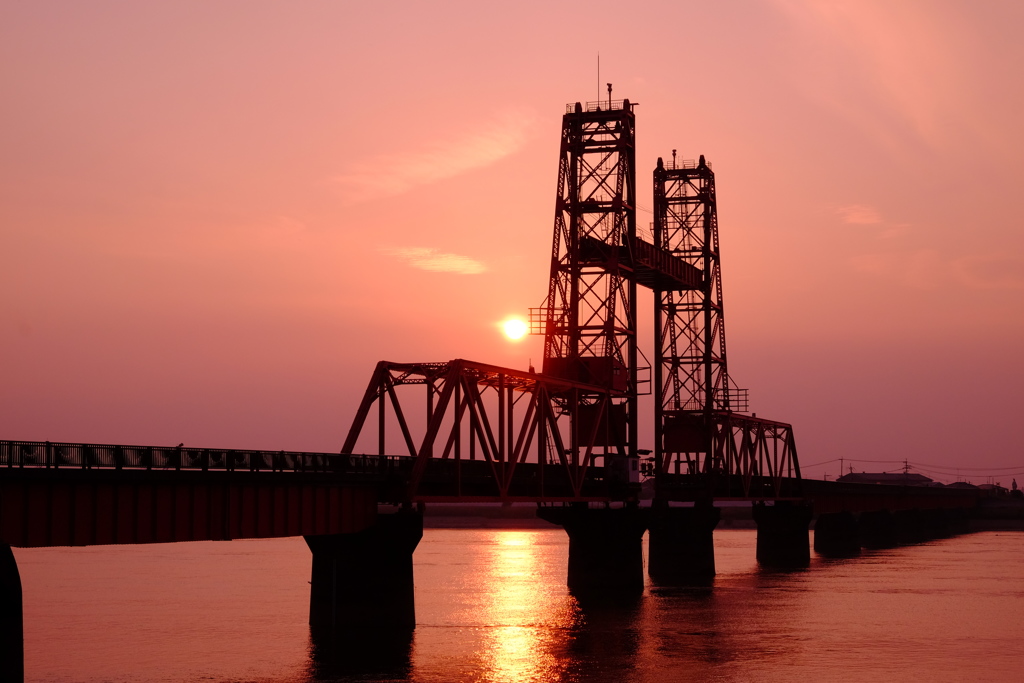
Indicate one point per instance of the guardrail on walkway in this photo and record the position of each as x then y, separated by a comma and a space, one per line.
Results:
54, 455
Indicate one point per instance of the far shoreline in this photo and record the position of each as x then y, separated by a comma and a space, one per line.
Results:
997, 514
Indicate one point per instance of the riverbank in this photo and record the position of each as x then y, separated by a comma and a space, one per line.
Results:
524, 516
992, 514
998, 514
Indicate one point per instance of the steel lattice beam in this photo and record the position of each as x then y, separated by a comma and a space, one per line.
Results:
492, 433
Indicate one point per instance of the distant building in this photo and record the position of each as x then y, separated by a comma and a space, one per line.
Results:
994, 489
895, 478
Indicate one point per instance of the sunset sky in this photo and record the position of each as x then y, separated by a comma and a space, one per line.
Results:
215, 218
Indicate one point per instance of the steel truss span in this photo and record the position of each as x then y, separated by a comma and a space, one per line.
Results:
479, 432
748, 457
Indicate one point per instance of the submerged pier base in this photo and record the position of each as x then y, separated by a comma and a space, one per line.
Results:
783, 540
352, 654
837, 535
12, 639
681, 544
364, 581
605, 548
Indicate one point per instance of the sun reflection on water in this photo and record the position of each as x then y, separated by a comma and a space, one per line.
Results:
525, 619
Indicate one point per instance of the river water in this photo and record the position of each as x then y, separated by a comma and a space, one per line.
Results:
492, 606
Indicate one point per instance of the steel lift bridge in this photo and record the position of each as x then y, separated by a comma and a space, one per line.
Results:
566, 438
570, 433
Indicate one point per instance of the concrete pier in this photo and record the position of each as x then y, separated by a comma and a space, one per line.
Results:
12, 640
837, 535
364, 581
958, 521
605, 547
910, 527
937, 523
681, 544
783, 540
877, 529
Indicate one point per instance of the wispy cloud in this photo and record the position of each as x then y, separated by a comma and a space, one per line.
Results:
859, 214
862, 214
427, 258
387, 175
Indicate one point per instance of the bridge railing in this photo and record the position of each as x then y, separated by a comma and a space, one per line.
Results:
52, 455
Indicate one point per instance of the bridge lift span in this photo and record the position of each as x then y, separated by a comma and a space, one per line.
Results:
581, 410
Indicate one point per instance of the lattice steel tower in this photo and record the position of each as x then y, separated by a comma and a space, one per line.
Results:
589, 320
691, 377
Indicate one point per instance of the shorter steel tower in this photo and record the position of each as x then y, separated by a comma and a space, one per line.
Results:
691, 377
699, 428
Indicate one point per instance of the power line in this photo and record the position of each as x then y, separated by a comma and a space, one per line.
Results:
853, 460
949, 469
969, 474
816, 464
966, 469
935, 471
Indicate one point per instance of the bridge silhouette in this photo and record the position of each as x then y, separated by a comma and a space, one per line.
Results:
359, 516
566, 438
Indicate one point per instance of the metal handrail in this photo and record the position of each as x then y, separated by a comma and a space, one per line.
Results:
600, 105
59, 455
683, 164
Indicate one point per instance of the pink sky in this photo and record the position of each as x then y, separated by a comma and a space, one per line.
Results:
216, 217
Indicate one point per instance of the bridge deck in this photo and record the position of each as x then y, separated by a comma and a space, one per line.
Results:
83, 494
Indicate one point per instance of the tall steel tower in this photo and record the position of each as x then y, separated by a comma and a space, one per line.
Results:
691, 374
589, 321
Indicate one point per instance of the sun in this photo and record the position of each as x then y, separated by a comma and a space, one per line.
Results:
514, 328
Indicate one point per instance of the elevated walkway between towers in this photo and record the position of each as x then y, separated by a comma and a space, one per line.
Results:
647, 264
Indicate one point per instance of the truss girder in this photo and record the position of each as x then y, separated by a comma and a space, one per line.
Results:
758, 454
502, 417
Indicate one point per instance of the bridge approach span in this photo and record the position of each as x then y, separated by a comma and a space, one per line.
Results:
54, 494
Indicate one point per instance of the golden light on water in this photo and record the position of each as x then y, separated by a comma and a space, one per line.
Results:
516, 649
514, 328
